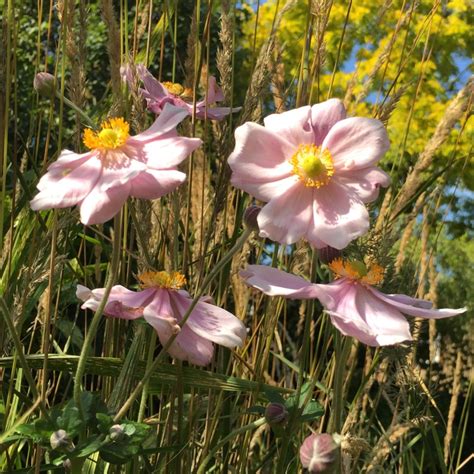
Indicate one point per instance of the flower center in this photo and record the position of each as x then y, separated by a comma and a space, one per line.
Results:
168, 280
177, 89
113, 134
312, 165
369, 273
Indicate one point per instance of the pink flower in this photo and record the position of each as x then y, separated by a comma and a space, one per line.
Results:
355, 307
163, 304
117, 166
157, 94
316, 170
319, 453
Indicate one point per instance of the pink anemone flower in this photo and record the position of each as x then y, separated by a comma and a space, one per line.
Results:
117, 166
356, 308
315, 169
162, 303
158, 94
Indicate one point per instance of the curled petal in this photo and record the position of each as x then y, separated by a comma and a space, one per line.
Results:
324, 116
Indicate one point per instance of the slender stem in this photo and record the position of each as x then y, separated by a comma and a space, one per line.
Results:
78, 110
251, 426
149, 371
113, 269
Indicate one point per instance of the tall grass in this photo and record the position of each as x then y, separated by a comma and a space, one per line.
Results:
400, 409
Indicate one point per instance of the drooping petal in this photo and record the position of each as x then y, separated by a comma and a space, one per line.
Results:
412, 310
168, 119
324, 116
274, 282
154, 184
152, 85
294, 125
211, 322
356, 143
118, 170
193, 348
98, 207
259, 155
339, 215
68, 190
286, 217
365, 183
69, 160
359, 314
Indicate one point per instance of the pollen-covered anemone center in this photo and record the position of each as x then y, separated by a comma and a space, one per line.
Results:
368, 273
168, 280
177, 89
313, 165
113, 134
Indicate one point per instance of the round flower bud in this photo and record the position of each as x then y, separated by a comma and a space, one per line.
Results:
44, 84
328, 254
319, 453
60, 439
250, 217
276, 413
116, 432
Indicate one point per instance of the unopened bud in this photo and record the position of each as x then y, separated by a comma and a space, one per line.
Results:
116, 432
44, 84
250, 217
319, 453
60, 440
276, 413
328, 254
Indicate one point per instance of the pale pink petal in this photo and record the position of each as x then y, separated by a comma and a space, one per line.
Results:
71, 189
294, 126
274, 282
417, 302
356, 143
152, 85
191, 347
214, 92
154, 184
286, 217
83, 293
57, 171
259, 155
215, 113
264, 191
98, 207
339, 215
420, 312
324, 116
118, 169
211, 322
168, 119
69, 160
359, 314
365, 183
167, 152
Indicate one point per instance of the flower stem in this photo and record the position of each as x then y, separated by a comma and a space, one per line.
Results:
151, 368
111, 276
76, 109
251, 426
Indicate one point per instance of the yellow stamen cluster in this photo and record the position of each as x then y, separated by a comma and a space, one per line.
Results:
168, 280
177, 89
369, 273
113, 134
313, 165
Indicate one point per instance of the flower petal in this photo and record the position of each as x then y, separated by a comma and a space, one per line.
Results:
211, 322
98, 207
359, 314
412, 310
118, 170
259, 156
286, 217
324, 116
154, 184
339, 216
356, 143
152, 85
294, 125
365, 183
59, 190
274, 282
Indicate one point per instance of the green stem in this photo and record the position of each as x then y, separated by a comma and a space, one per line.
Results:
251, 426
149, 371
113, 269
78, 110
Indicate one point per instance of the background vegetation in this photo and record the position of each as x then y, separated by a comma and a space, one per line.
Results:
405, 408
